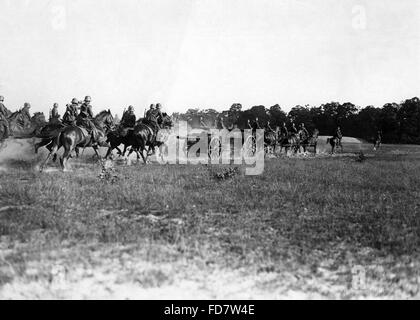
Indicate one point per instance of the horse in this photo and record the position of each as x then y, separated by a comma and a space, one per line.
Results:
145, 134
270, 141
23, 126
334, 143
71, 137
290, 141
309, 141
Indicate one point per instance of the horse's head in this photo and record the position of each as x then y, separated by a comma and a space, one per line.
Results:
105, 119
315, 134
38, 117
167, 121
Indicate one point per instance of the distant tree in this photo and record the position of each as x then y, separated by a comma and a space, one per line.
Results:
389, 123
300, 114
409, 120
277, 115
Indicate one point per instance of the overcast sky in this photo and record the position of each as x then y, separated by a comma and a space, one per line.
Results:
208, 54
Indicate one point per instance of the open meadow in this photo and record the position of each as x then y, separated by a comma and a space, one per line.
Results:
345, 226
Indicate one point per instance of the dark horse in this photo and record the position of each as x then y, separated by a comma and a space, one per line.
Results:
72, 137
334, 142
147, 133
23, 126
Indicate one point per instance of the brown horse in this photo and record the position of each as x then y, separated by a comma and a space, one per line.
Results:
72, 137
23, 126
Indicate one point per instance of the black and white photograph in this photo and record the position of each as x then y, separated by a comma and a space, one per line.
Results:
209, 150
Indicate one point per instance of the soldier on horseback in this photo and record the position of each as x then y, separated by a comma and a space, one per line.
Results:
25, 110
3, 110
158, 113
128, 121
283, 130
303, 132
338, 135
3, 117
54, 116
129, 118
269, 128
293, 129
85, 116
70, 115
150, 112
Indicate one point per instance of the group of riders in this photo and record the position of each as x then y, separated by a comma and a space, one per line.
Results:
80, 113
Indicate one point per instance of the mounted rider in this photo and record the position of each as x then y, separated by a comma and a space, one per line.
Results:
158, 113
128, 121
284, 131
338, 133
3, 110
85, 117
54, 116
26, 114
150, 112
70, 115
304, 134
293, 129
4, 113
269, 128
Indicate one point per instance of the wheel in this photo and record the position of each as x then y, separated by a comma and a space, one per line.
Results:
250, 146
215, 149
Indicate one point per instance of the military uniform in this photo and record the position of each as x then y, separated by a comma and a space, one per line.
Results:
25, 111
4, 113
85, 116
54, 116
70, 114
128, 119
293, 129
5, 123
3, 110
338, 133
86, 111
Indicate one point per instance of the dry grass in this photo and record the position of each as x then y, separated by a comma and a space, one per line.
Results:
174, 231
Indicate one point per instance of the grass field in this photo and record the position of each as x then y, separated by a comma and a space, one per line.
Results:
308, 227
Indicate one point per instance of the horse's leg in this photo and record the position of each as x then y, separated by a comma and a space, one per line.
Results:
43, 142
119, 151
108, 153
96, 151
48, 157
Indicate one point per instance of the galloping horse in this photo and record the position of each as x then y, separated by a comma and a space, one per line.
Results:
145, 134
72, 137
23, 126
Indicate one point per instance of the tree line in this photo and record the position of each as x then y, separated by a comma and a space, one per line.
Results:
398, 122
